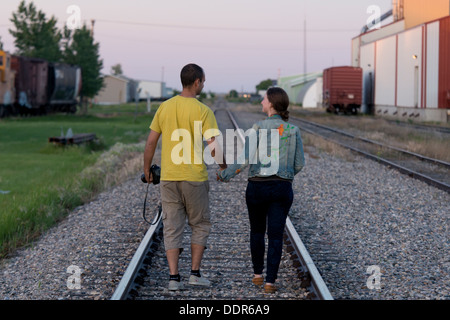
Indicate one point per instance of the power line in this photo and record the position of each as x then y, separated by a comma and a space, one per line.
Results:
175, 26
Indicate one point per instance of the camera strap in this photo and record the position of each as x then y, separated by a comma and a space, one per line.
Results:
145, 205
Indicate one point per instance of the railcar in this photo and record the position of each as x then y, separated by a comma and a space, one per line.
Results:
7, 86
342, 89
36, 86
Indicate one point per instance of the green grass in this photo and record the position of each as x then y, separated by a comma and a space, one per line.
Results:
45, 181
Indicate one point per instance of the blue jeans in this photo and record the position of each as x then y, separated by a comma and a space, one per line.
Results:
268, 201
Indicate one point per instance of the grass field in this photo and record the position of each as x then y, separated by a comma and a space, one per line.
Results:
41, 182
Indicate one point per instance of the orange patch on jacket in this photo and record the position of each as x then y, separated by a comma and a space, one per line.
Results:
238, 171
280, 130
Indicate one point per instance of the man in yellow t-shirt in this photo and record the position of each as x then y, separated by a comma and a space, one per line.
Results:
183, 122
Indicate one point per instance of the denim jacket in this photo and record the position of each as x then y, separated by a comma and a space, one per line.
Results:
273, 147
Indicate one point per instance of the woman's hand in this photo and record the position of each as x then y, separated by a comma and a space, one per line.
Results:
218, 175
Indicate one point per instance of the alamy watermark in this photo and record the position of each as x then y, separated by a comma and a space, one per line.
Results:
257, 150
374, 21
74, 20
374, 280
74, 281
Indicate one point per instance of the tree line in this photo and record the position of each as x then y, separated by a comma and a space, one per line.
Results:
37, 36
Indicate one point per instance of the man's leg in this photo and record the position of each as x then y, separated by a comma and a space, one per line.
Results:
172, 259
174, 218
197, 255
197, 208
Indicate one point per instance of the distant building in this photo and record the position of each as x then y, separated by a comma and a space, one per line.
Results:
305, 90
156, 90
114, 91
406, 64
132, 87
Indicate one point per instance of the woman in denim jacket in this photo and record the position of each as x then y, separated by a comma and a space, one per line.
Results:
269, 192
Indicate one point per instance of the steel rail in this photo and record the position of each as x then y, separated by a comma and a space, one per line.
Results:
127, 282
438, 184
307, 271
419, 156
441, 129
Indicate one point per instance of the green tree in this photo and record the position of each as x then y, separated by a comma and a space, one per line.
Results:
233, 94
264, 85
116, 70
81, 50
35, 35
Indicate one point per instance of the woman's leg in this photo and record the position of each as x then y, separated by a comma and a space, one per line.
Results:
277, 214
257, 214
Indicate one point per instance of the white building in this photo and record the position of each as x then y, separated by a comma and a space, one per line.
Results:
406, 64
114, 91
155, 89
305, 90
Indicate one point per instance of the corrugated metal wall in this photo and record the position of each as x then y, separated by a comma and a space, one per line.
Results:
385, 56
409, 69
418, 12
368, 66
444, 63
412, 68
432, 65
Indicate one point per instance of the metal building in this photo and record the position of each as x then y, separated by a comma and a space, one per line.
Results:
114, 91
156, 90
305, 90
406, 64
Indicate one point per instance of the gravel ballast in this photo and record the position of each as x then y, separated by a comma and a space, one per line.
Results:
367, 225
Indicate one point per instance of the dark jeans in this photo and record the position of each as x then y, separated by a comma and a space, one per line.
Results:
268, 201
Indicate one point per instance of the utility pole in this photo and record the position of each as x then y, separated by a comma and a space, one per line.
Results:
92, 27
304, 51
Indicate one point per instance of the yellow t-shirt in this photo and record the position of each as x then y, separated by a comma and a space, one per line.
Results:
183, 124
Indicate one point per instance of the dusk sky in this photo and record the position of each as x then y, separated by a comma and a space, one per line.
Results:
238, 42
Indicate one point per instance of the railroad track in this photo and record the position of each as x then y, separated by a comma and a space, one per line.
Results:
227, 262
432, 171
306, 269
423, 127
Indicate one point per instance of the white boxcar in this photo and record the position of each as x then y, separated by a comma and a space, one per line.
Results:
156, 89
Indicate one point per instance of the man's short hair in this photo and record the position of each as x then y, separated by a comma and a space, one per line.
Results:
190, 73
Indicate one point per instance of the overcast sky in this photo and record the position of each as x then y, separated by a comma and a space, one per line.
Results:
237, 42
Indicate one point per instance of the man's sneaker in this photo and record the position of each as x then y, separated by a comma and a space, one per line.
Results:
199, 281
175, 285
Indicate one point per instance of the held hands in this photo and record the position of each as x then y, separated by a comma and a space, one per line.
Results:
218, 175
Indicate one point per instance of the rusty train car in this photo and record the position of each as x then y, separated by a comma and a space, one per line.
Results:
30, 86
342, 89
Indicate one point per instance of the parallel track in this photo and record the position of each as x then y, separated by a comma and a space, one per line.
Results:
432, 171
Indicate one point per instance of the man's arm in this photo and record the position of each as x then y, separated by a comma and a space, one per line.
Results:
150, 147
215, 146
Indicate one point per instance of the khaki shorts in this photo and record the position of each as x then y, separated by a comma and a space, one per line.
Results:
181, 200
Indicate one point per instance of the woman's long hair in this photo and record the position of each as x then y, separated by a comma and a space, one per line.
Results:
280, 101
